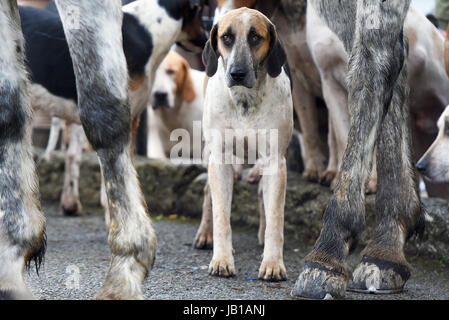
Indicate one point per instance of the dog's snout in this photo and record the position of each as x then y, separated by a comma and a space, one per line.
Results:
160, 99
159, 95
238, 74
422, 165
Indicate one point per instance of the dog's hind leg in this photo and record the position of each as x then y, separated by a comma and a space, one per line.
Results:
384, 268
55, 130
332, 167
93, 32
204, 235
22, 223
70, 198
262, 218
376, 59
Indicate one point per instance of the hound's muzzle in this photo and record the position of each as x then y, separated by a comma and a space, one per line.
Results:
160, 100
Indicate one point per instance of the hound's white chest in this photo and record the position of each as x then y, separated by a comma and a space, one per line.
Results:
249, 113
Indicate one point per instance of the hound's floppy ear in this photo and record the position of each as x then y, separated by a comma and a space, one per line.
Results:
276, 55
188, 89
210, 53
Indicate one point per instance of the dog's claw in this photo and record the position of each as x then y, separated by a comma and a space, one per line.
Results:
222, 268
327, 177
203, 240
272, 271
311, 175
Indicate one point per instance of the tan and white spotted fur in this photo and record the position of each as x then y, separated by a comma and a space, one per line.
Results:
249, 104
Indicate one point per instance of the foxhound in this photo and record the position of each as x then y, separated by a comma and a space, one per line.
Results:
248, 97
177, 102
434, 164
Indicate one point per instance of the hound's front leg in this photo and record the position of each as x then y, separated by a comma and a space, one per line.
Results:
221, 179
274, 185
93, 32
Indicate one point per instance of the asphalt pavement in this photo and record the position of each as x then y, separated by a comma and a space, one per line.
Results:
77, 260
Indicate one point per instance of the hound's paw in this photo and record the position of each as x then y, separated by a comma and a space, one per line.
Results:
371, 186
272, 270
253, 175
379, 276
319, 282
203, 239
327, 177
222, 267
45, 157
72, 210
311, 175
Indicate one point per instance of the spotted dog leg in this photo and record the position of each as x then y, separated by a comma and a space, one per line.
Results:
375, 62
204, 235
384, 268
55, 130
22, 223
70, 198
93, 32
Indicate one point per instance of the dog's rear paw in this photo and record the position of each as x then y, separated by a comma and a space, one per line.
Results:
272, 270
203, 240
253, 175
222, 267
371, 186
312, 175
327, 177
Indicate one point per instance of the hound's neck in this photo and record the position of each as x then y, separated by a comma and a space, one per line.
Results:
248, 100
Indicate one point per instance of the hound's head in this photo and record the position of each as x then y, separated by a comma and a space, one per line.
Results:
248, 44
193, 36
224, 6
434, 165
173, 83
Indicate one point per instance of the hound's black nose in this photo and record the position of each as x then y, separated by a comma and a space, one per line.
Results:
422, 165
238, 75
160, 99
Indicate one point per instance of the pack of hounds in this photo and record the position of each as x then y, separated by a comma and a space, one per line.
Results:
95, 66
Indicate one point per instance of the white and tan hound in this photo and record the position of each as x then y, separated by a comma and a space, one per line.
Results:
176, 103
248, 91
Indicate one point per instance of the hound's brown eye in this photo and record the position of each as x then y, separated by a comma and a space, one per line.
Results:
227, 39
170, 72
254, 39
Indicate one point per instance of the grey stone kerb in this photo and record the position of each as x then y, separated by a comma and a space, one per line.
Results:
172, 189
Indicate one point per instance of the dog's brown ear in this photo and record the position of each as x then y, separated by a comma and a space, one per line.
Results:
276, 55
188, 90
210, 53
